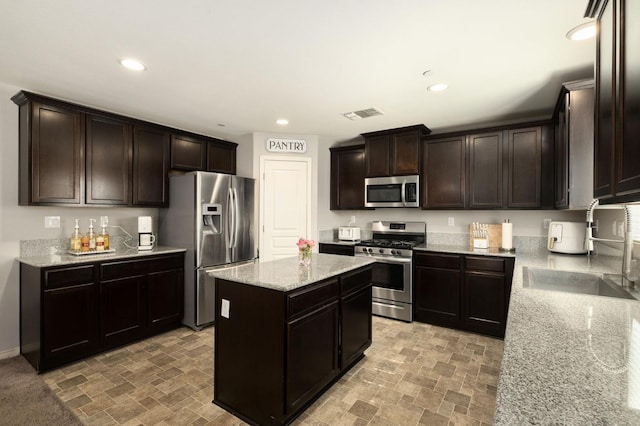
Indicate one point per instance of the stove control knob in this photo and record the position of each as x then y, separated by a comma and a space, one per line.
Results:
381, 251
368, 250
394, 252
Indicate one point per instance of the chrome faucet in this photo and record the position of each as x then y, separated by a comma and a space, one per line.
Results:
629, 273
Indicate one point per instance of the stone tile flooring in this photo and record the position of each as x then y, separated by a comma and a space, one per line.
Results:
413, 374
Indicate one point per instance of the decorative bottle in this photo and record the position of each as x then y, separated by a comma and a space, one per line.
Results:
76, 239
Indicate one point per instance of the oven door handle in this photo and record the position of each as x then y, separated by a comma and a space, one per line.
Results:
388, 305
395, 260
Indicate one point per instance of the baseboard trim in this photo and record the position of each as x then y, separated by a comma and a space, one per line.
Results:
10, 353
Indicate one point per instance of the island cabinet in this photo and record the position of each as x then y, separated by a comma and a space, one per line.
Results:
277, 351
617, 104
463, 291
347, 178
69, 312
393, 152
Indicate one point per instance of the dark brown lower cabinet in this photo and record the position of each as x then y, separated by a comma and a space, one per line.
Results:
466, 292
341, 249
276, 351
70, 312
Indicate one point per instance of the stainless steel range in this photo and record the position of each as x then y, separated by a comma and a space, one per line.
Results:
391, 247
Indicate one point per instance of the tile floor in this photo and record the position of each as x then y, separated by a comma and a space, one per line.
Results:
413, 374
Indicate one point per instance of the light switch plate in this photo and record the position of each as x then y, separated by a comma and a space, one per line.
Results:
52, 221
224, 309
450, 221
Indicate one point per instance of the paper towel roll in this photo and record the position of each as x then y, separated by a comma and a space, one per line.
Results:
507, 235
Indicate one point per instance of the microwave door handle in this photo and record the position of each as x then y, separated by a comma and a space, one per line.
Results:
404, 195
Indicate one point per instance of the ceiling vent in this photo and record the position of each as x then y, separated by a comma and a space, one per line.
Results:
363, 113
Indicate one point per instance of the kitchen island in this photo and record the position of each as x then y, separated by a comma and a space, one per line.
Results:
286, 332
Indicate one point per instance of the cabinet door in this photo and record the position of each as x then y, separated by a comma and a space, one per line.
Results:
561, 149
405, 153
150, 167
51, 165
485, 170
165, 298
627, 180
340, 249
70, 323
444, 173
108, 162
347, 178
483, 302
311, 355
376, 154
355, 325
188, 153
524, 148
437, 295
122, 310
221, 157
605, 103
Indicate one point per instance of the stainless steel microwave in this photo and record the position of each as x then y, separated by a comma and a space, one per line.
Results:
394, 191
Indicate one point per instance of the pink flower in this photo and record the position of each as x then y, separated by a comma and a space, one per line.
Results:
304, 244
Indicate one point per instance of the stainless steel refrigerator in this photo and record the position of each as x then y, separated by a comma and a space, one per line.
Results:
212, 216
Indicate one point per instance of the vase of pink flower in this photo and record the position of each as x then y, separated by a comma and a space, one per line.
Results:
304, 251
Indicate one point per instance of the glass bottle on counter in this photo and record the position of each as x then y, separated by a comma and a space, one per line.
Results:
104, 221
92, 236
76, 239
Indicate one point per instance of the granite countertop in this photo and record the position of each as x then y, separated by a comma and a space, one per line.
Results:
569, 358
60, 259
464, 249
286, 275
341, 242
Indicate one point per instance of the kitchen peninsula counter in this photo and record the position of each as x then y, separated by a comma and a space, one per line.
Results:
63, 258
284, 333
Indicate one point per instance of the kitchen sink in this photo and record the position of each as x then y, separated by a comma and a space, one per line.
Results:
573, 282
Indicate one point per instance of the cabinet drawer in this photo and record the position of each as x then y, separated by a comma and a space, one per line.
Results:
69, 276
309, 298
444, 261
340, 249
354, 281
114, 270
165, 263
490, 264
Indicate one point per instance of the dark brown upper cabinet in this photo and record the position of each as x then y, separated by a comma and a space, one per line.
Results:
188, 153
394, 152
51, 159
444, 173
75, 155
617, 104
486, 170
499, 168
150, 159
221, 156
347, 178
201, 153
108, 161
573, 119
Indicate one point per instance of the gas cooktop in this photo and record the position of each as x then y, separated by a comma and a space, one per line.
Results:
386, 243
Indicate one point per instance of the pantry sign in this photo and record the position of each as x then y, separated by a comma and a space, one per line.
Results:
298, 146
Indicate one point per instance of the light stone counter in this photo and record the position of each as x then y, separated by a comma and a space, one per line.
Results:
61, 258
569, 359
286, 275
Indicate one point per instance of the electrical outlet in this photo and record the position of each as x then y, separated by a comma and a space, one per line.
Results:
621, 229
353, 219
450, 221
52, 221
546, 223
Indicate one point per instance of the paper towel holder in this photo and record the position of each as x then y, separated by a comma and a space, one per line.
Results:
504, 247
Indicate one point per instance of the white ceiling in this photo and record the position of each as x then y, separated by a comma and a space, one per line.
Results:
245, 63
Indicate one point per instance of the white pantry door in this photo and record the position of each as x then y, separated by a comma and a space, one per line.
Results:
285, 205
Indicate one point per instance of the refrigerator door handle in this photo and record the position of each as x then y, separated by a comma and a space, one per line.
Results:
236, 222
229, 219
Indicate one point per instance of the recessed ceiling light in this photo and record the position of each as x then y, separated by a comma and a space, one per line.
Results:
282, 121
438, 87
582, 31
132, 64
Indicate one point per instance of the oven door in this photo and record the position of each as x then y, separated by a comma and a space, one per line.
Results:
391, 279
